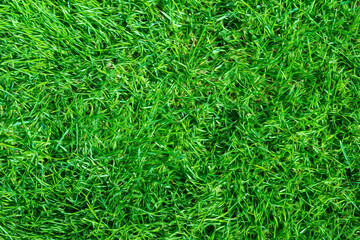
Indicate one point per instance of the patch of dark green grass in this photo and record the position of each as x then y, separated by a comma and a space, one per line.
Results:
179, 119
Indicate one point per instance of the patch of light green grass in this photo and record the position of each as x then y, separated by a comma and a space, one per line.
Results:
179, 119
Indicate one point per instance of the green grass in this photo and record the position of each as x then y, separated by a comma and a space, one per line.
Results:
178, 119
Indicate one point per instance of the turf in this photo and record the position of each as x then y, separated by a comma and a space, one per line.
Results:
178, 119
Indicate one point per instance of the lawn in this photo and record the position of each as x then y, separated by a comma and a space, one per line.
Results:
179, 119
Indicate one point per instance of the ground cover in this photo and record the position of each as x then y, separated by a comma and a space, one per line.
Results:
179, 119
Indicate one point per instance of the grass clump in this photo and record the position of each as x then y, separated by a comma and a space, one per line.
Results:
179, 119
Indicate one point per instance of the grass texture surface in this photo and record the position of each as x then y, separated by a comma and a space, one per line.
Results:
169, 119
